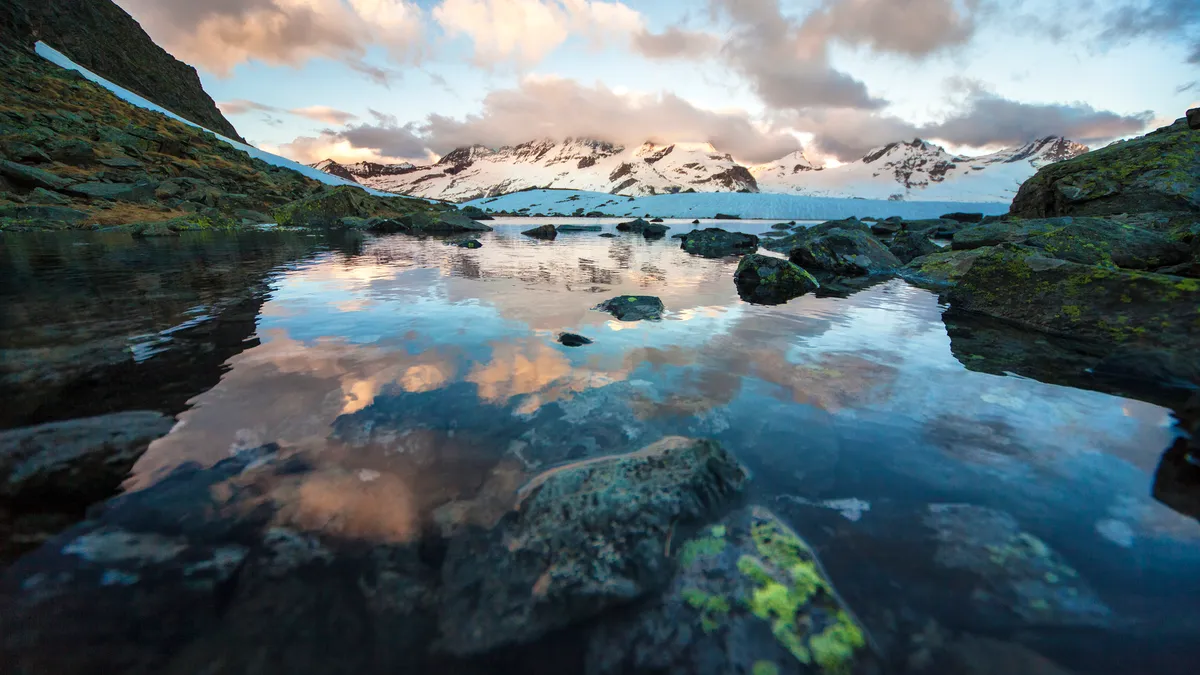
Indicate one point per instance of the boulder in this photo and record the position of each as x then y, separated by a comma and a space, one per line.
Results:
908, 245
74, 463
542, 232
656, 220
655, 231
579, 228
585, 538
886, 227
37, 212
1099, 304
1091, 241
1193, 118
465, 243
573, 340
636, 225
964, 217
765, 280
848, 250
633, 307
782, 226
475, 213
608, 235
1156, 172
941, 268
726, 216
717, 243
44, 196
29, 176
750, 597
935, 227
695, 222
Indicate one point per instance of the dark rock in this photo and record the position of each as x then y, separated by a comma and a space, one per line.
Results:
654, 231
1083, 240
886, 227
637, 225
595, 214
1131, 368
55, 214
633, 307
765, 280
587, 537
1109, 306
893, 219
1187, 269
542, 232
121, 163
1193, 118
475, 213
1177, 479
579, 228
119, 192
782, 226
77, 462
909, 245
608, 235
725, 216
935, 227
844, 249
750, 597
73, 151
573, 340
26, 153
1156, 172
656, 220
44, 196
695, 222
465, 243
327, 206
941, 268
714, 242
964, 217
253, 217
32, 177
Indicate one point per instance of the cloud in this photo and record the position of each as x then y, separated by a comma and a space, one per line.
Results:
559, 108
386, 137
319, 113
912, 27
219, 35
329, 144
674, 43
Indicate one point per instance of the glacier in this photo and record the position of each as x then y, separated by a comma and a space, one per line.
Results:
749, 206
59, 59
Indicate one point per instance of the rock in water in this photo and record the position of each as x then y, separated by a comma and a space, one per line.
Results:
782, 226
750, 597
909, 245
475, 213
633, 307
886, 227
843, 248
608, 235
77, 462
942, 267
714, 242
1104, 305
695, 222
563, 229
964, 217
637, 225
654, 231
586, 537
573, 340
547, 232
1156, 172
1091, 241
726, 216
465, 243
770, 281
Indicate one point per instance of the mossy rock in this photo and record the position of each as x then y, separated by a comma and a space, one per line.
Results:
1100, 304
941, 268
548, 232
764, 280
750, 596
713, 242
908, 245
1156, 172
843, 252
1092, 241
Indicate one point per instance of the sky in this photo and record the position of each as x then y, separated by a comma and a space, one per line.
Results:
410, 80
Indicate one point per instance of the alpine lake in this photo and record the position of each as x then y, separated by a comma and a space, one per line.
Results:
971, 493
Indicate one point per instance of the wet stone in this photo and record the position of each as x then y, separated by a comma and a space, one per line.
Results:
633, 307
573, 340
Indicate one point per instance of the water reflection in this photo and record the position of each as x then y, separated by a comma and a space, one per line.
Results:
424, 384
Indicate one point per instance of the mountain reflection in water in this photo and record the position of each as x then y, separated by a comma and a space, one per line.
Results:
424, 386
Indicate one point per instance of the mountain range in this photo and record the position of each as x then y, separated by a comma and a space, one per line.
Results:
914, 170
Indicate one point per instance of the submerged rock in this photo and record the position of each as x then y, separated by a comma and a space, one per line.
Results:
714, 242
1091, 241
1014, 571
586, 537
765, 280
633, 307
750, 597
909, 245
76, 462
1156, 172
573, 340
465, 243
1107, 306
608, 235
542, 232
579, 228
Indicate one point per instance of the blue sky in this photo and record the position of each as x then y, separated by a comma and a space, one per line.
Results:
395, 79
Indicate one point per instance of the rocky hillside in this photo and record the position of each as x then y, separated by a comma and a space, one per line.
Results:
73, 155
100, 36
915, 170
579, 164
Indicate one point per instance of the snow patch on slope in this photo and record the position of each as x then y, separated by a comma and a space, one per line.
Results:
708, 204
59, 59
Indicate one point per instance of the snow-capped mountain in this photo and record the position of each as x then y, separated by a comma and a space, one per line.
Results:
580, 164
918, 170
915, 170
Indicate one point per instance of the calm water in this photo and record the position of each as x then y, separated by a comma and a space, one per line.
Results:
431, 370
